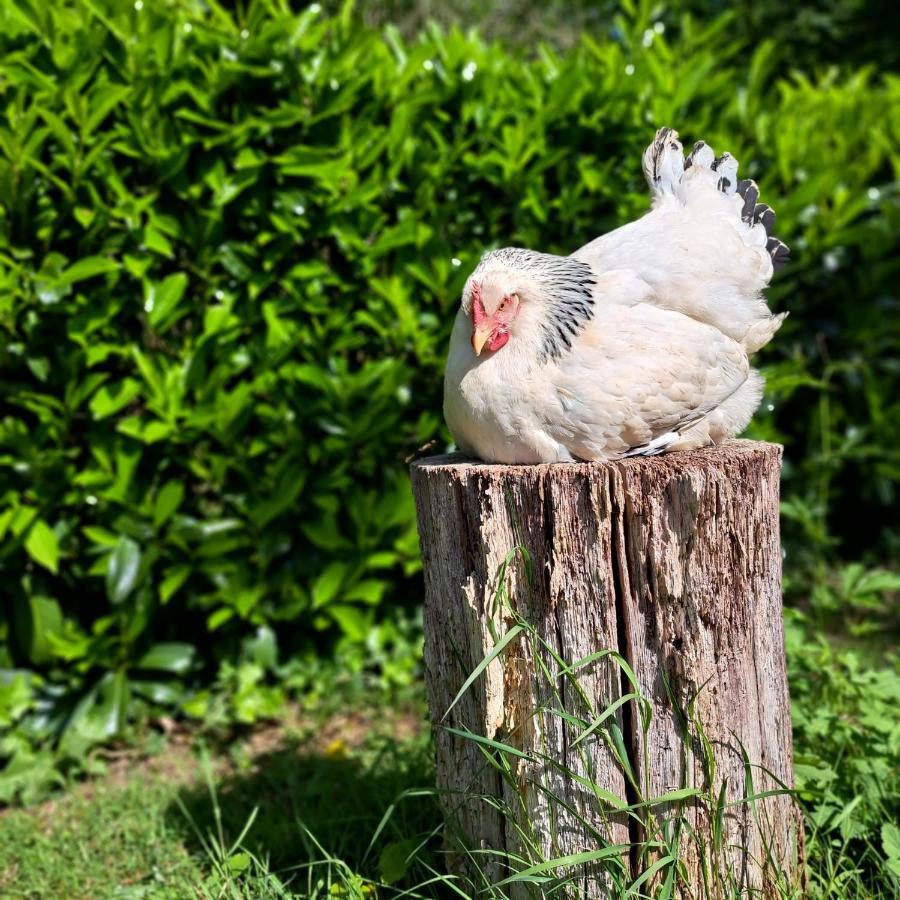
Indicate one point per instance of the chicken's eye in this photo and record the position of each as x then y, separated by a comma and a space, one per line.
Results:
502, 306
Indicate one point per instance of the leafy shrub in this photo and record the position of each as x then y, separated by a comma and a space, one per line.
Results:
847, 762
807, 35
231, 244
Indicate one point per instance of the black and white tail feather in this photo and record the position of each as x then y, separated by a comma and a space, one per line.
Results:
670, 174
665, 168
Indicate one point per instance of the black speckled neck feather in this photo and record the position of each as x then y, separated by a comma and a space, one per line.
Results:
567, 293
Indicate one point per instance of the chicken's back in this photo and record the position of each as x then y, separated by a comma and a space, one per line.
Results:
705, 248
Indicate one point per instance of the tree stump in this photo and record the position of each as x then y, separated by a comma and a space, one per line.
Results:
673, 563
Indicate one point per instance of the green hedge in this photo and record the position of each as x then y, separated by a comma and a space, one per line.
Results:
230, 251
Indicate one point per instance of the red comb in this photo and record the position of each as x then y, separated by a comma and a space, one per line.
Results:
478, 313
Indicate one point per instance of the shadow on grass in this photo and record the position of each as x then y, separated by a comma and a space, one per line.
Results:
339, 796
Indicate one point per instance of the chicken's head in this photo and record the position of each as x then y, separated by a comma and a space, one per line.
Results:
493, 312
536, 302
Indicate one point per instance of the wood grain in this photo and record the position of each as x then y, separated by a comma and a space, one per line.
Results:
674, 562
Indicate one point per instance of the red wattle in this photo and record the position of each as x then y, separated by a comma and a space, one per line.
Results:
497, 340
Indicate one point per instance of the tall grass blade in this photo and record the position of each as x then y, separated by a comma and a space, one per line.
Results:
498, 649
575, 859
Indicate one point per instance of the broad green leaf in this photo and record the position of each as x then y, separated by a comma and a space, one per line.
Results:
367, 591
88, 267
156, 241
107, 716
176, 658
36, 619
162, 299
6, 518
393, 860
890, 844
354, 622
164, 693
239, 862
218, 618
102, 536
167, 501
326, 587
174, 578
878, 580
103, 102
113, 396
42, 545
262, 647
122, 571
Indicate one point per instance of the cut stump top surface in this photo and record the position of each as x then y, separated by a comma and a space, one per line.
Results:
460, 465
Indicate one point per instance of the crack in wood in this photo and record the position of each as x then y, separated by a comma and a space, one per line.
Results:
621, 590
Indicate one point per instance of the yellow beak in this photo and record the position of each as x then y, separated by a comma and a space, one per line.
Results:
479, 339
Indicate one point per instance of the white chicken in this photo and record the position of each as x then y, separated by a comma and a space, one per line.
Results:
636, 344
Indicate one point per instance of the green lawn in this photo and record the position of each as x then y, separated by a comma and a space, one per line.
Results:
168, 826
333, 804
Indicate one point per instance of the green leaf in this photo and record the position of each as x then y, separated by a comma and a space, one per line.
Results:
42, 545
890, 844
647, 874
103, 102
99, 535
113, 396
167, 501
6, 518
176, 658
513, 632
262, 647
328, 584
156, 241
218, 618
367, 591
394, 859
610, 710
36, 619
29, 775
599, 792
89, 267
354, 622
122, 570
685, 793
877, 581
174, 578
107, 716
162, 299
566, 862
487, 742
163, 693
238, 862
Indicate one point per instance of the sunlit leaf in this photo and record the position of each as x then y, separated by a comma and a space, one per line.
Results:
122, 570
42, 545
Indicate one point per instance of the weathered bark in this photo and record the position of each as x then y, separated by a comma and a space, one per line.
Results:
673, 562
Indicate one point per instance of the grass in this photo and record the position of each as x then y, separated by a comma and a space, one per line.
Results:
112, 840
201, 820
341, 806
